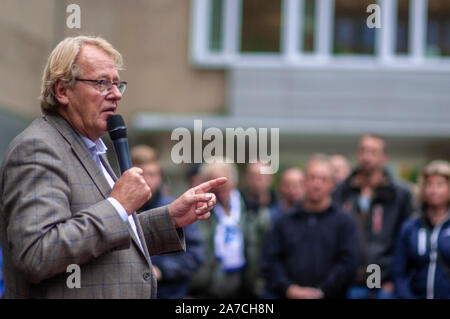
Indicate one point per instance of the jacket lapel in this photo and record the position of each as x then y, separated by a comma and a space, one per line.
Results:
81, 151
108, 167
86, 160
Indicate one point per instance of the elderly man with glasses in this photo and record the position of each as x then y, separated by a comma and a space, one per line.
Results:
61, 204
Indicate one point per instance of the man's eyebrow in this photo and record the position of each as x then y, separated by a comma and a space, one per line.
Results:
106, 76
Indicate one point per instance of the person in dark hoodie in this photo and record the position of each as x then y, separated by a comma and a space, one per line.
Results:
379, 205
313, 251
421, 266
173, 271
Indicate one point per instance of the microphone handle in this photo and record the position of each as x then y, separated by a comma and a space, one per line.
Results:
122, 154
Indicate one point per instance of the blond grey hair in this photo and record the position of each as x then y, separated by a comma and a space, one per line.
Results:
321, 158
436, 167
61, 65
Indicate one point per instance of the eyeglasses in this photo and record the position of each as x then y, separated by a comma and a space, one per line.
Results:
104, 86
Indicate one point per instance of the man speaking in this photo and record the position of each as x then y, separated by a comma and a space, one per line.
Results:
60, 202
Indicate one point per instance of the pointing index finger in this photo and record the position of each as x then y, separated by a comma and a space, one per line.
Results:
206, 186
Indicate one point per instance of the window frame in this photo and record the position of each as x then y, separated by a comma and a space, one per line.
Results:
291, 38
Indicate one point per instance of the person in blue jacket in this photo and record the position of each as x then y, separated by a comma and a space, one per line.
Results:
2, 287
422, 258
173, 271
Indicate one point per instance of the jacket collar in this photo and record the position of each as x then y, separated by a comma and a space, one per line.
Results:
426, 221
384, 192
300, 211
81, 150
74, 138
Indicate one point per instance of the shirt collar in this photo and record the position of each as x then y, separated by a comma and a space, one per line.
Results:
97, 147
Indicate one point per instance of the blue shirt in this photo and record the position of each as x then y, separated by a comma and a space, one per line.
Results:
2, 287
96, 148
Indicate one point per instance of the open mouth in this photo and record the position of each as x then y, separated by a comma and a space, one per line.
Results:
110, 110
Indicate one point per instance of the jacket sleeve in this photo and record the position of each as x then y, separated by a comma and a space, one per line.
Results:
183, 265
402, 280
347, 259
42, 232
272, 267
160, 234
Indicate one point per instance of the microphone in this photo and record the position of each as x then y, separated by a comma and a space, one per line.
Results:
118, 134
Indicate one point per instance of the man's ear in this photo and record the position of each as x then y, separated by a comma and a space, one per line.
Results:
61, 93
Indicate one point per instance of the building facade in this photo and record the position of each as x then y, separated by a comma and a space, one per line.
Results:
319, 70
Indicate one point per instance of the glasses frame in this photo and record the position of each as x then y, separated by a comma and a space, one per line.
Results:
107, 83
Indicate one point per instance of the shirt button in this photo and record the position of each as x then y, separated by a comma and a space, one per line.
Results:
146, 276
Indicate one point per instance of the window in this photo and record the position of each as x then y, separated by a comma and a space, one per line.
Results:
261, 25
438, 29
309, 21
308, 32
351, 34
402, 36
215, 38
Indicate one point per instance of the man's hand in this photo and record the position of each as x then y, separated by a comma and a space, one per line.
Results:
131, 190
297, 292
194, 204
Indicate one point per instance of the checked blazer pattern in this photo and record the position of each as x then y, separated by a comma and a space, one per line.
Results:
54, 212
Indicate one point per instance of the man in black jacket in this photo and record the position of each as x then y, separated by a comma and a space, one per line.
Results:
313, 251
379, 205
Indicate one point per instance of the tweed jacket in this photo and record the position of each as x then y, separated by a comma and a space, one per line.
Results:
54, 213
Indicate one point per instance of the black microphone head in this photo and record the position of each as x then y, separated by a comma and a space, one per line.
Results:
116, 126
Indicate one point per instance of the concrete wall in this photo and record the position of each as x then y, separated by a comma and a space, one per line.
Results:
26, 33
403, 97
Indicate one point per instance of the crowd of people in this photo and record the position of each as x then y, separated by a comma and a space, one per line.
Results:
313, 233
321, 232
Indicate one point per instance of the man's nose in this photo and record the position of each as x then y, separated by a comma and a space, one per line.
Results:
114, 93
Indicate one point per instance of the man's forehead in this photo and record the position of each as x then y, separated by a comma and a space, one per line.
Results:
291, 174
319, 167
371, 140
95, 60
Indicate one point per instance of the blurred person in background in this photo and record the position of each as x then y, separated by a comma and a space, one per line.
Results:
262, 209
312, 252
257, 190
173, 271
291, 190
222, 276
341, 167
193, 175
379, 205
234, 236
421, 266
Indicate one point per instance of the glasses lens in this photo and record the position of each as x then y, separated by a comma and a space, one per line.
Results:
103, 85
122, 86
